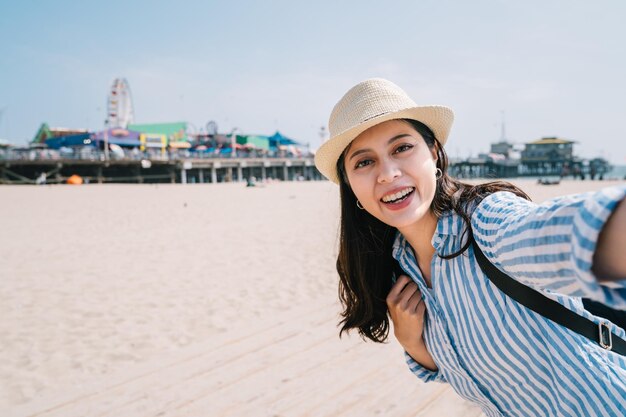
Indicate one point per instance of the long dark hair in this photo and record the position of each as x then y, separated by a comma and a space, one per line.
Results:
365, 264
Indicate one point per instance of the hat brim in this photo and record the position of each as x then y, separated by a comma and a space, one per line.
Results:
438, 119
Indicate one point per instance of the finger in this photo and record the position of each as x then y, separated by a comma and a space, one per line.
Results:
402, 281
409, 291
397, 288
420, 311
414, 302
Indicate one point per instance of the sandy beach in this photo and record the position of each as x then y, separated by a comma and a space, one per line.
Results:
191, 300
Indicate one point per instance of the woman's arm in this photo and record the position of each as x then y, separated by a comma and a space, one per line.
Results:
557, 245
609, 259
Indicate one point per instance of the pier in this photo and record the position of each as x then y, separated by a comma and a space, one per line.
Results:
157, 170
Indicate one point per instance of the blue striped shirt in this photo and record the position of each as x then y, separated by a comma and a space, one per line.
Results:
497, 353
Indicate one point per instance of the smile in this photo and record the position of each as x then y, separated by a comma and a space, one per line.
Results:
398, 196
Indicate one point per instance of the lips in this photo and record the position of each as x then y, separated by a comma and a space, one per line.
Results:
398, 195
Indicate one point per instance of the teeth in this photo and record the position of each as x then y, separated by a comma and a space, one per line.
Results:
398, 195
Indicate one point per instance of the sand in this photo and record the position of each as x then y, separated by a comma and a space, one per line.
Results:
191, 300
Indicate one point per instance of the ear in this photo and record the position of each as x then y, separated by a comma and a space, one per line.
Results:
433, 153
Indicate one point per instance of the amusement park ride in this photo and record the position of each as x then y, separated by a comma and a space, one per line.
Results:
119, 109
120, 105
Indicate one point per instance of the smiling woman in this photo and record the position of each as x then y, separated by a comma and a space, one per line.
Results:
406, 254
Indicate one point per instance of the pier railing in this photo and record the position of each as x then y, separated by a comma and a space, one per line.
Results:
91, 154
37, 166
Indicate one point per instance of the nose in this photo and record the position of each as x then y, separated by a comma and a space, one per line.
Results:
388, 172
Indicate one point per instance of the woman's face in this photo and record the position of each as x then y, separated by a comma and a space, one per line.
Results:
392, 172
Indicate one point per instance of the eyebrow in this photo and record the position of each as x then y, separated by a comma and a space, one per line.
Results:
393, 139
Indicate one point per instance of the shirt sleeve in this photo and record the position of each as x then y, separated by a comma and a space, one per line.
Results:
549, 246
422, 373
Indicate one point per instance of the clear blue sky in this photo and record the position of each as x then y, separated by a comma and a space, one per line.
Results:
556, 68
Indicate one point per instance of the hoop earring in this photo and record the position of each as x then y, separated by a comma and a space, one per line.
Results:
359, 205
438, 173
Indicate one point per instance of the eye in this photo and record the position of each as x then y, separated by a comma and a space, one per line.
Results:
403, 148
363, 163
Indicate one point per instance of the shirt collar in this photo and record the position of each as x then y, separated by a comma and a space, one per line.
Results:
448, 224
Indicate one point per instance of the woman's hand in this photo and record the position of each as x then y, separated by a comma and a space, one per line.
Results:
407, 310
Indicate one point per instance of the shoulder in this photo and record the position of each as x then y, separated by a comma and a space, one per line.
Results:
585, 212
496, 207
500, 199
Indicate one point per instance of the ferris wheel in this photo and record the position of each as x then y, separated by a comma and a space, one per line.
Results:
120, 105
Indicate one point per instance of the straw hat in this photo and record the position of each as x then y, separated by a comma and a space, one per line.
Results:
367, 104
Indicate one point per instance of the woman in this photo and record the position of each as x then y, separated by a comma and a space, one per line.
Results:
403, 216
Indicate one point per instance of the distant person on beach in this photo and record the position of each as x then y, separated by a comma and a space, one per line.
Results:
251, 182
409, 240
42, 179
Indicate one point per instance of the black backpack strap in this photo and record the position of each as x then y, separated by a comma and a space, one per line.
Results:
548, 308
602, 310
